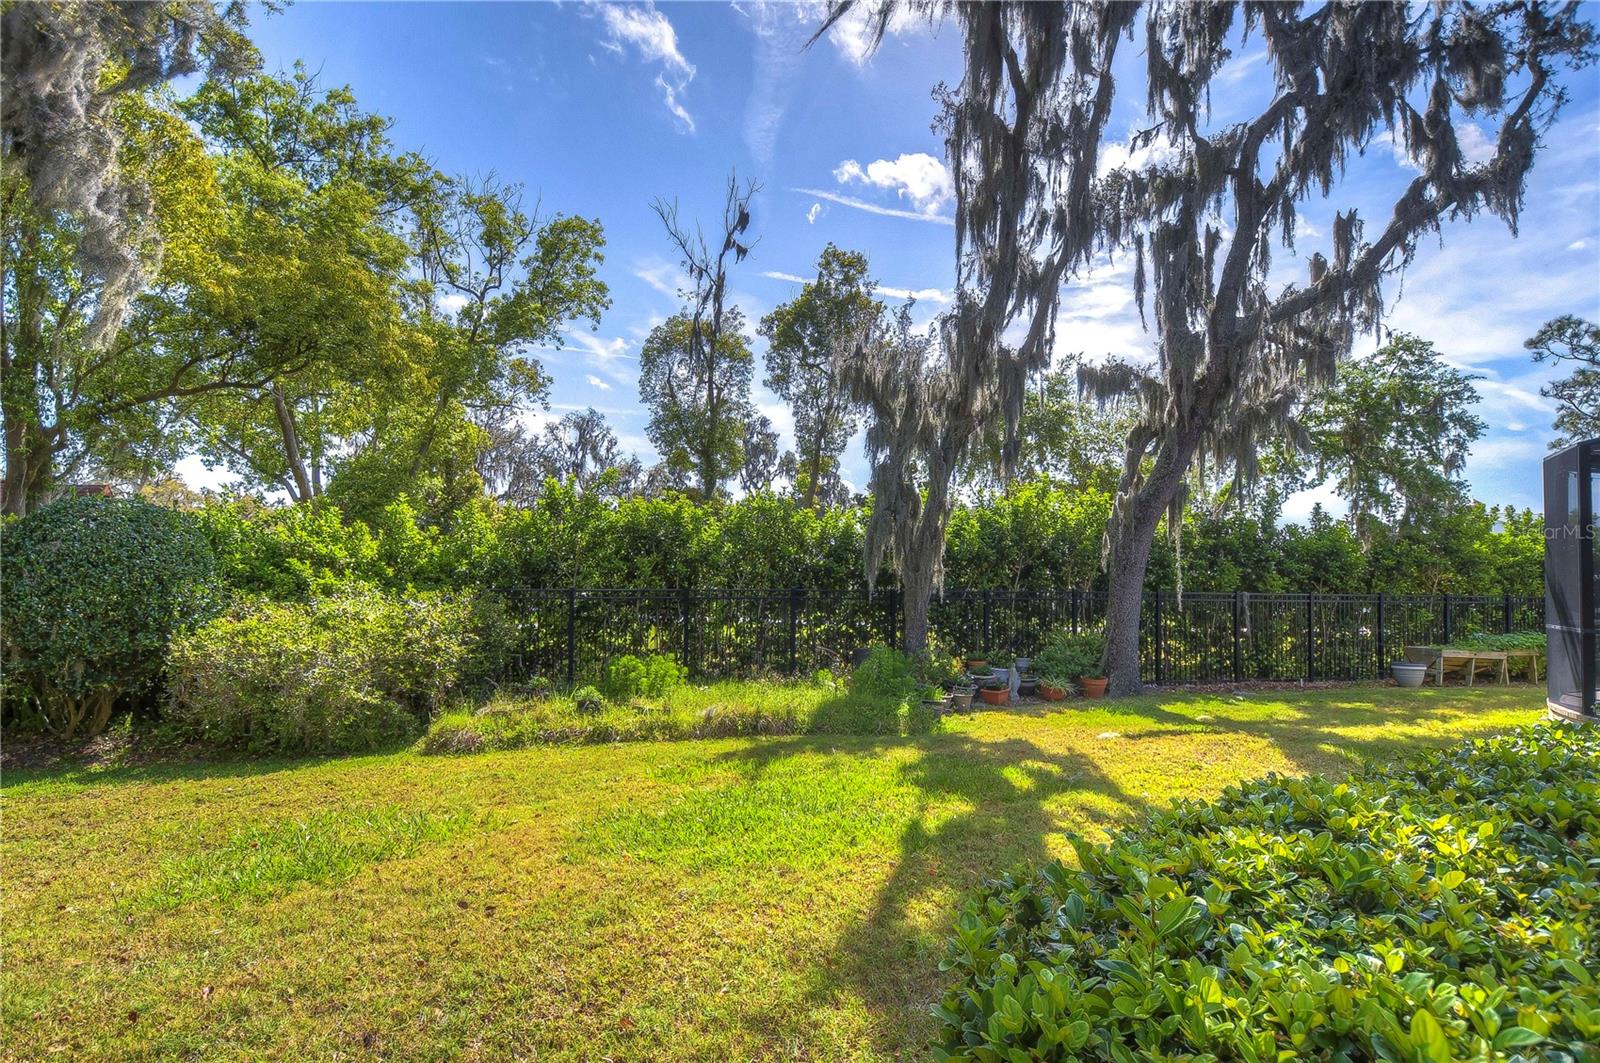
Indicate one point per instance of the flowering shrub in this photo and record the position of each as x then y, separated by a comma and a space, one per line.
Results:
1439, 910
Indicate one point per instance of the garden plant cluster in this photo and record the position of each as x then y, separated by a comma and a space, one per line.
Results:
1441, 909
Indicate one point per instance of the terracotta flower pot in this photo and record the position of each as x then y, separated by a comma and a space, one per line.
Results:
976, 664
1093, 688
998, 696
1050, 693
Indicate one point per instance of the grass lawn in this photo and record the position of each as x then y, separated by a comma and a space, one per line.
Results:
731, 898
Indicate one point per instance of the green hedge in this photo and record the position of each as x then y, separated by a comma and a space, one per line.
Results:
1444, 909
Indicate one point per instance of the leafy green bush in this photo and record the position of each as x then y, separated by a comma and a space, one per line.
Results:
1444, 909
338, 674
630, 677
886, 673
587, 700
94, 590
1516, 640
1067, 658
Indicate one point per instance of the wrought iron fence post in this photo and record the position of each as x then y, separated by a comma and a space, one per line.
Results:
1381, 601
1311, 639
1161, 670
1077, 597
572, 635
1505, 608
987, 605
1238, 656
1449, 620
794, 628
686, 611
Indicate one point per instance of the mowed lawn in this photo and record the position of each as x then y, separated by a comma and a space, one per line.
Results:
740, 898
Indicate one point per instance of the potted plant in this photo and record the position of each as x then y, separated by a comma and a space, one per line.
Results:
1409, 673
961, 699
1026, 685
995, 692
934, 701
1022, 664
1071, 658
1052, 689
977, 664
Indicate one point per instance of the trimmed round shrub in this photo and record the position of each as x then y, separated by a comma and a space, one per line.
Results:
95, 589
654, 676
336, 675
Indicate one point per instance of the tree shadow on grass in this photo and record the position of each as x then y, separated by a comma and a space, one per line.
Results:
982, 807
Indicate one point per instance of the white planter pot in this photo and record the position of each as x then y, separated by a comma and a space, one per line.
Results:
1408, 674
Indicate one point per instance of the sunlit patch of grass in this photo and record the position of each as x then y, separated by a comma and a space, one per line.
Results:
804, 811
325, 847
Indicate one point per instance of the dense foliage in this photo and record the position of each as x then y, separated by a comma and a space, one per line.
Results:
1438, 910
1038, 534
652, 676
339, 674
94, 588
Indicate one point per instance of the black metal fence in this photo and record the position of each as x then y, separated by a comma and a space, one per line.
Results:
570, 632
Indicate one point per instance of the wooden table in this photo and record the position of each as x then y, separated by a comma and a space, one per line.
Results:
1441, 659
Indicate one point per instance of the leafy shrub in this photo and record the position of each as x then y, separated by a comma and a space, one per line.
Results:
886, 673
1516, 640
1068, 657
1442, 909
95, 588
338, 674
587, 700
630, 677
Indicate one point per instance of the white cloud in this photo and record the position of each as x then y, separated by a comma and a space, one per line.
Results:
651, 35
1578, 245
873, 208
852, 35
776, 275
917, 176
921, 295
596, 382
452, 302
1157, 152
1297, 507
781, 31
816, 209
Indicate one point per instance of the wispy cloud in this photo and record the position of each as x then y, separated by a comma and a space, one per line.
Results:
781, 31
873, 208
596, 382
816, 210
649, 33
921, 295
852, 35
664, 277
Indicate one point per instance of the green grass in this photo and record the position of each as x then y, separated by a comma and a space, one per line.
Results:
718, 898
727, 709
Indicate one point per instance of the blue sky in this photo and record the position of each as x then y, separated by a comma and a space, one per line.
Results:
600, 109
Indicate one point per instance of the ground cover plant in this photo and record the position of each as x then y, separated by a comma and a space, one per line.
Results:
720, 898
1441, 909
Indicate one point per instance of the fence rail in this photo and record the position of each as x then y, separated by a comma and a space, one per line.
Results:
570, 632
